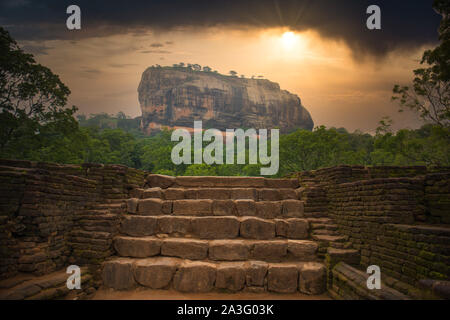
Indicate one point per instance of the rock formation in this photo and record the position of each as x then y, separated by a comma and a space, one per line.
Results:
174, 97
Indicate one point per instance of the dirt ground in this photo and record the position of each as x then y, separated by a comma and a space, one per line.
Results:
147, 294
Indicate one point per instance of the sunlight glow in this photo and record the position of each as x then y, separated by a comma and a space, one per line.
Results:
289, 39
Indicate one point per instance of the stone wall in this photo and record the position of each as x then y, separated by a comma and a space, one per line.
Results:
41, 204
396, 217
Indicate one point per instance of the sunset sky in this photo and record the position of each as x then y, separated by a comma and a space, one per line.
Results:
319, 50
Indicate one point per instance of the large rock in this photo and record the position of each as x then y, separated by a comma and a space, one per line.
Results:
150, 207
269, 250
229, 250
132, 205
158, 180
255, 228
172, 97
256, 273
268, 209
282, 278
174, 225
244, 193
214, 193
302, 249
230, 276
224, 208
118, 274
245, 207
312, 278
293, 208
152, 193
215, 227
137, 247
139, 226
155, 273
185, 248
192, 207
292, 228
195, 277
173, 194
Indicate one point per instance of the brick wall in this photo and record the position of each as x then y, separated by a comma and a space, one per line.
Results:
397, 217
41, 204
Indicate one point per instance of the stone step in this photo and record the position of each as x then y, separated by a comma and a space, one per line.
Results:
261, 194
341, 245
315, 214
323, 226
45, 287
198, 276
325, 232
329, 239
349, 256
222, 250
225, 227
164, 182
326, 221
351, 283
261, 209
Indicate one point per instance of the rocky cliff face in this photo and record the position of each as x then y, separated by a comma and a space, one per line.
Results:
175, 97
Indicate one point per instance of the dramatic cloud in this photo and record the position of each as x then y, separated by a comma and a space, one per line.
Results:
405, 24
36, 49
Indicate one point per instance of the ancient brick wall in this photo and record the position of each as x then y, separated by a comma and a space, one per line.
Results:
437, 197
397, 217
41, 204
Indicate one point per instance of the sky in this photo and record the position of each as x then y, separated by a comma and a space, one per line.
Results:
320, 50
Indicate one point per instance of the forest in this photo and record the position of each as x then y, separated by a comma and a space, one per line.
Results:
37, 124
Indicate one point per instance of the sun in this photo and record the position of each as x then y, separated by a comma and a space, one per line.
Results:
289, 39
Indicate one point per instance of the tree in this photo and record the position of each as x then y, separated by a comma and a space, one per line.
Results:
430, 92
32, 103
200, 170
121, 115
232, 73
207, 69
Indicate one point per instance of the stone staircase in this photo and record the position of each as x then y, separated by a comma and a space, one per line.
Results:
198, 234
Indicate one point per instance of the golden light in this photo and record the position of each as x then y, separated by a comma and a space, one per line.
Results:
289, 39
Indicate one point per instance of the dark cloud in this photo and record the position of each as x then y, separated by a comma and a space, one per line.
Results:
156, 45
36, 49
405, 24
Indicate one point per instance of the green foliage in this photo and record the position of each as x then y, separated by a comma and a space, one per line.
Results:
430, 92
200, 170
106, 121
35, 123
306, 150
